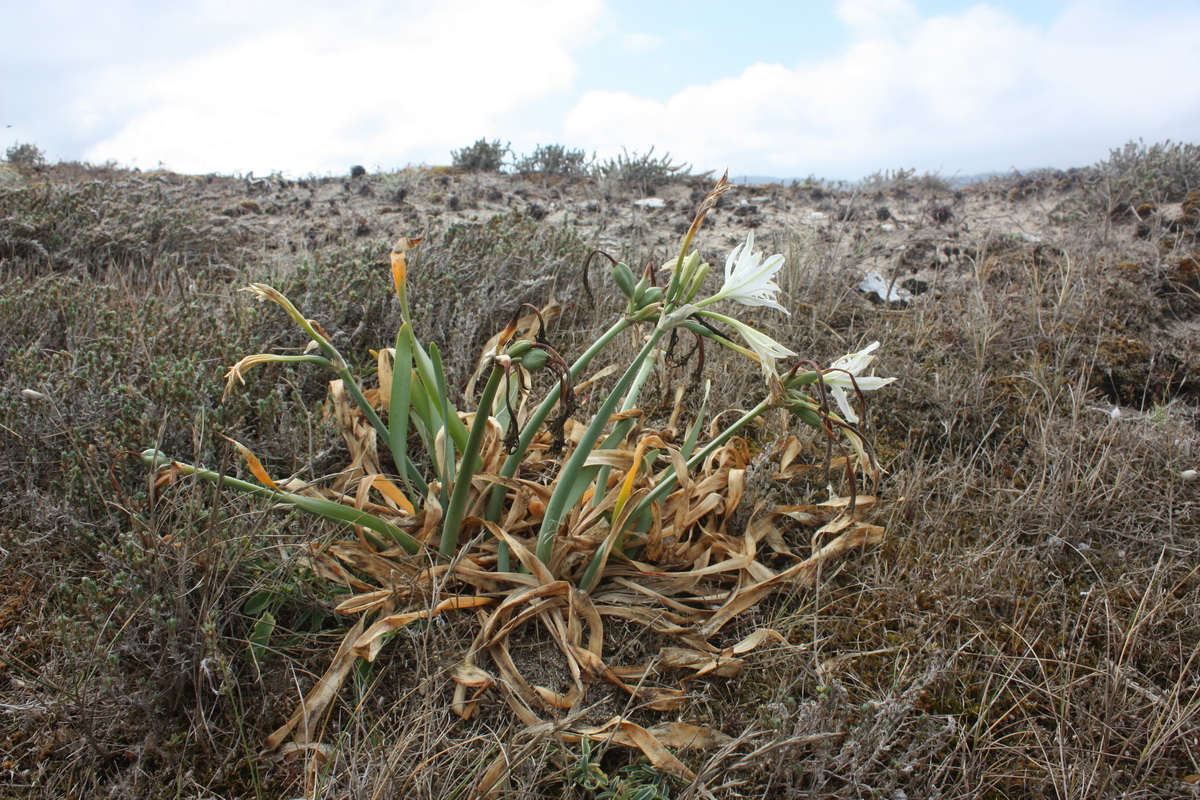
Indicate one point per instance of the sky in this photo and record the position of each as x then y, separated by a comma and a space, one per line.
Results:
833, 89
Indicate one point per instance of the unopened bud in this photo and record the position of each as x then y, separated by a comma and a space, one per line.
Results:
535, 359
518, 349
651, 296
623, 276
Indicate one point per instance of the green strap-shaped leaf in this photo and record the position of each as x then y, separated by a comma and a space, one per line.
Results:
693, 434
452, 522
570, 481
398, 403
432, 375
335, 512
260, 635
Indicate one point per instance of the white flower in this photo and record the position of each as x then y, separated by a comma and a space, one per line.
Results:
763, 348
838, 378
748, 279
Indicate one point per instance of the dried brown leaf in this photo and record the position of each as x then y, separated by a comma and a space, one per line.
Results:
362, 646
805, 572
302, 724
252, 462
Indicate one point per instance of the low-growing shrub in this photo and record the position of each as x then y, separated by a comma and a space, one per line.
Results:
904, 181
90, 224
25, 156
641, 173
554, 160
483, 156
1164, 172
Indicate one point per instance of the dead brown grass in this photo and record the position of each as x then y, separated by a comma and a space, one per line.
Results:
1030, 627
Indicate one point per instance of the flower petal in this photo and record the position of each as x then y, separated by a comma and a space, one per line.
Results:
865, 383
748, 278
839, 395
855, 363
846, 375
765, 349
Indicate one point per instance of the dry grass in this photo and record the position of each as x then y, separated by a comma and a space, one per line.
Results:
1030, 628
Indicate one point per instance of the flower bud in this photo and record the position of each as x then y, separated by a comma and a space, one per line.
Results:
518, 349
535, 359
622, 276
651, 296
638, 291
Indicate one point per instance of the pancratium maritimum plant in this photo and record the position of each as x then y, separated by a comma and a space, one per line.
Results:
520, 511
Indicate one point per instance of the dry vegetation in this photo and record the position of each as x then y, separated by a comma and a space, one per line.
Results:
1030, 627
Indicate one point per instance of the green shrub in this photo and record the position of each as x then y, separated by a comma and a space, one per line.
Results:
25, 155
556, 161
1161, 173
483, 156
903, 181
642, 173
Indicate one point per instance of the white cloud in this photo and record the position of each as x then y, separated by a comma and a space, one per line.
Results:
640, 42
359, 85
972, 91
869, 19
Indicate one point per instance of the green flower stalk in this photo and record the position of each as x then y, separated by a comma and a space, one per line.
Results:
513, 462
399, 400
538, 417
